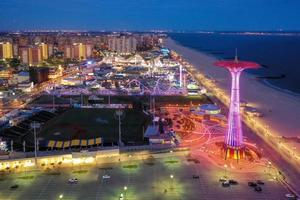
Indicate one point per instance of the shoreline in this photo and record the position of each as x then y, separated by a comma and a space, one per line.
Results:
280, 115
263, 81
282, 90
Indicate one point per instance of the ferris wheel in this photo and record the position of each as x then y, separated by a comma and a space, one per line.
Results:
137, 83
162, 87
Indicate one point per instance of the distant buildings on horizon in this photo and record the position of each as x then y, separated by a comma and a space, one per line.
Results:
34, 48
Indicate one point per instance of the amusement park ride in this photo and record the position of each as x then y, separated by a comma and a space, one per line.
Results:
234, 147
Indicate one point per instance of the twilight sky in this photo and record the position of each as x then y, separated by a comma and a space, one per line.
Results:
150, 14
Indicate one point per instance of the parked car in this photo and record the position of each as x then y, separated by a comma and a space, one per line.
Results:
14, 187
195, 176
105, 176
259, 182
233, 182
222, 179
258, 189
252, 184
225, 184
290, 196
73, 180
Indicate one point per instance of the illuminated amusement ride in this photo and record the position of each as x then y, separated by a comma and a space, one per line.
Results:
234, 147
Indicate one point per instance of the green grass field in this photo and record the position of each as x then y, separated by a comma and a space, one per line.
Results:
92, 123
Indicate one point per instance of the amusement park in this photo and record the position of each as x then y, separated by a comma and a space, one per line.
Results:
104, 128
149, 100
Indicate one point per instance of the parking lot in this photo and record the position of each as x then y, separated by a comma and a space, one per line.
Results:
154, 179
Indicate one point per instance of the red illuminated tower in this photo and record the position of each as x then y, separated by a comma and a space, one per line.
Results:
234, 137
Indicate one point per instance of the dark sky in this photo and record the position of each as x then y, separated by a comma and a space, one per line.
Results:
150, 14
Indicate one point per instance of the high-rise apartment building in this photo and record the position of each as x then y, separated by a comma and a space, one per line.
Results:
122, 45
31, 55
15, 50
79, 51
24, 55
35, 55
67, 52
89, 50
6, 50
44, 51
50, 49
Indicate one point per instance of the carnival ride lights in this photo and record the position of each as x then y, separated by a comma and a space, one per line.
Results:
234, 137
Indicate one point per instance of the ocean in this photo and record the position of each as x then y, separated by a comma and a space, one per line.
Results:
279, 55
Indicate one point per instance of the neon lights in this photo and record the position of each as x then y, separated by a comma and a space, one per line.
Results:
234, 136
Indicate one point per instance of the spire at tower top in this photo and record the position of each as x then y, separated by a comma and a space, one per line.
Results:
236, 59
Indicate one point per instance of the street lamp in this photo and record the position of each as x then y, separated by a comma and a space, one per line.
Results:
125, 189
294, 149
225, 170
172, 178
269, 167
61, 196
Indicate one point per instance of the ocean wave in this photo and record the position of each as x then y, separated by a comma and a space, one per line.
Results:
266, 82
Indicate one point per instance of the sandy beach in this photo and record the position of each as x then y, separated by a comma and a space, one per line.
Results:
281, 110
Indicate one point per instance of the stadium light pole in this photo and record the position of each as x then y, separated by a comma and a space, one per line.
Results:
24, 146
12, 146
119, 113
153, 110
34, 126
53, 97
119, 129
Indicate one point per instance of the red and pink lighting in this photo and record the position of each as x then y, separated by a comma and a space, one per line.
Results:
234, 137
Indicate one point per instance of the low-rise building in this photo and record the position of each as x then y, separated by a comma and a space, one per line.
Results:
39, 74
25, 87
55, 72
23, 76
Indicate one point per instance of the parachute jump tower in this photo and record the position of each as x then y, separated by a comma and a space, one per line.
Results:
234, 147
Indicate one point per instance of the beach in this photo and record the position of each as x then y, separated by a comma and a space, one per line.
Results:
279, 128
281, 111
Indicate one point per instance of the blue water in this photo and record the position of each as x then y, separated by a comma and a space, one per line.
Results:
280, 55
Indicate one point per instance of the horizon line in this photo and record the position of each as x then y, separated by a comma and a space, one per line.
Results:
150, 30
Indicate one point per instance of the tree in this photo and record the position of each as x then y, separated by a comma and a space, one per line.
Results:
14, 62
3, 63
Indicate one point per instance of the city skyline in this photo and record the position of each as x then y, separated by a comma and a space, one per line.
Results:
231, 15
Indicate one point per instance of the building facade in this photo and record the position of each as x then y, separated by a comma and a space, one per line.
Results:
122, 45
6, 50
